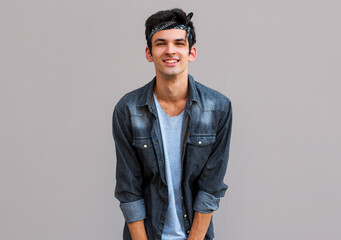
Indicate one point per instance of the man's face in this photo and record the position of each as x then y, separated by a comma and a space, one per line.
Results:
170, 52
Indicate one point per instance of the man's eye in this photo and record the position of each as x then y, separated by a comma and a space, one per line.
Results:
180, 43
158, 44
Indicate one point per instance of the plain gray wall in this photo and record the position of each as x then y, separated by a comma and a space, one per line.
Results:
64, 65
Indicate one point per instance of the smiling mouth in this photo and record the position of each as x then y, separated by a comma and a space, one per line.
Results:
170, 61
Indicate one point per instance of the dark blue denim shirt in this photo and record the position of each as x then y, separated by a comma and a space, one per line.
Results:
141, 184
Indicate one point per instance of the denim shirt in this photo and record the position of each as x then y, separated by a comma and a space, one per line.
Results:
141, 185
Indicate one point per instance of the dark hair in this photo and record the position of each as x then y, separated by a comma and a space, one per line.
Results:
164, 16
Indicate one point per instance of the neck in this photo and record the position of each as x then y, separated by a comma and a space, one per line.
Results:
171, 89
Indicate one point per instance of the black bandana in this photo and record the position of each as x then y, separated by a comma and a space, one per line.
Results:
174, 25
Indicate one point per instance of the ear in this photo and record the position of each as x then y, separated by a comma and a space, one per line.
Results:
193, 54
148, 55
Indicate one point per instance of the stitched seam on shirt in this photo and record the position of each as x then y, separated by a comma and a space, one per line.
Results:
120, 114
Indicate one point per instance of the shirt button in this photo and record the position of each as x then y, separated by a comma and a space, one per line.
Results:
182, 197
165, 200
162, 218
199, 142
158, 236
185, 216
160, 162
145, 146
187, 231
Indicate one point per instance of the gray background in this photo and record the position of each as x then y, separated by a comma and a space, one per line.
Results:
64, 65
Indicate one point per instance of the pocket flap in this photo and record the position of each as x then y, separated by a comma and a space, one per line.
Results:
202, 140
142, 142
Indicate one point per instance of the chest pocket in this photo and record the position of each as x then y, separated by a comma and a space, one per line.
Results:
198, 149
146, 152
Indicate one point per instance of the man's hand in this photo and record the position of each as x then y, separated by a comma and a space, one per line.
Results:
200, 225
137, 230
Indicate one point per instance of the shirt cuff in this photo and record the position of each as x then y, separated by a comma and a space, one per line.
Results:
205, 202
133, 211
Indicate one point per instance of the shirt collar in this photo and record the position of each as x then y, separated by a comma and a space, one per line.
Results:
147, 95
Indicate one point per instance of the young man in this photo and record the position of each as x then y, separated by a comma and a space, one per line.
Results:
172, 139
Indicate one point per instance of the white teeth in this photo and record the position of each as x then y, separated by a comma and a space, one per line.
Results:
170, 61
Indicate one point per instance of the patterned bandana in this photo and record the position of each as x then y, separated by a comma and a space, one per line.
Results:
174, 25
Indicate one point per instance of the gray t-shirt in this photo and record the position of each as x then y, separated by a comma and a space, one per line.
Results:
171, 139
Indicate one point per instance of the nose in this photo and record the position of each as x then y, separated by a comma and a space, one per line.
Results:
170, 48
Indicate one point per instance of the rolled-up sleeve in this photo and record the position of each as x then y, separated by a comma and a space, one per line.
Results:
133, 211
128, 171
211, 179
205, 202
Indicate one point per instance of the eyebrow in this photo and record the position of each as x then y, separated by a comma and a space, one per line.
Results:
164, 40
159, 40
180, 40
